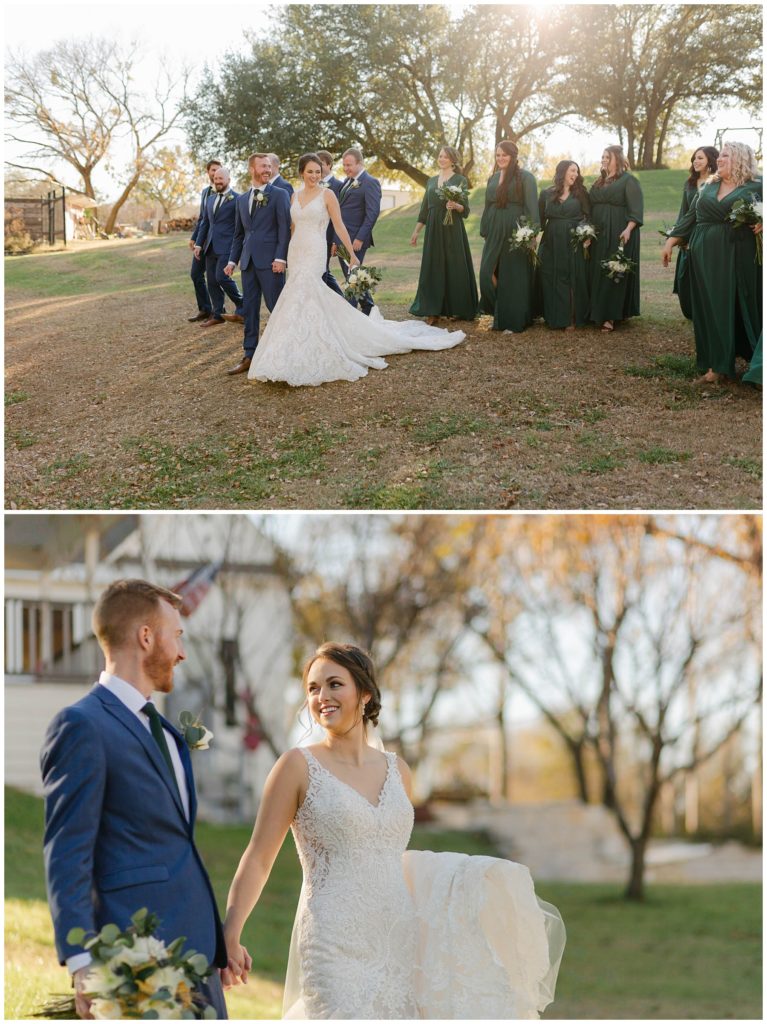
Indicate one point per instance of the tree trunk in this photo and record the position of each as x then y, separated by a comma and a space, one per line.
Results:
112, 219
410, 170
576, 750
635, 887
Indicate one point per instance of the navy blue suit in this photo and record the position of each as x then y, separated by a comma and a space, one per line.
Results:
214, 236
197, 272
260, 238
116, 836
360, 207
280, 182
334, 184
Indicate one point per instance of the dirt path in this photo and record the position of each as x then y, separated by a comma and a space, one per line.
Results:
113, 400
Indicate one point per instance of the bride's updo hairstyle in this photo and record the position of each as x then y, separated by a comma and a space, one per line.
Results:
306, 159
360, 666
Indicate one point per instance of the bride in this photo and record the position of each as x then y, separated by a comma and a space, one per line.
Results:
313, 334
381, 932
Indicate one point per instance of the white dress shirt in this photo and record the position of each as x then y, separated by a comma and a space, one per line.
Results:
134, 701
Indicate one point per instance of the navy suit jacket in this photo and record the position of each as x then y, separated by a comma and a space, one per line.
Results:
116, 836
360, 207
203, 196
280, 182
263, 236
218, 231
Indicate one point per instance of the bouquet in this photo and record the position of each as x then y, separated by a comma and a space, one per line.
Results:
457, 193
360, 281
135, 976
523, 239
343, 253
581, 234
748, 212
618, 265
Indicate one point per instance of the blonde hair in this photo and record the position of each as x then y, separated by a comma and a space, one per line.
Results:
743, 166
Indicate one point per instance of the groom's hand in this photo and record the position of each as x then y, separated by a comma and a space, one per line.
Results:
356, 245
278, 267
82, 1002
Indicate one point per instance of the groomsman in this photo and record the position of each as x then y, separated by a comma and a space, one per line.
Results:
330, 181
360, 199
214, 242
276, 178
261, 236
204, 307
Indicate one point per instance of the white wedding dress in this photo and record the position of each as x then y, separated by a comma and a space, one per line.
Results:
313, 334
386, 934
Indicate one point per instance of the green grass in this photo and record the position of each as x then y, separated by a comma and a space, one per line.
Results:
687, 952
14, 397
659, 456
750, 466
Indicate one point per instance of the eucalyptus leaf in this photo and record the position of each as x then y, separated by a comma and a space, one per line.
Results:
198, 963
76, 936
109, 933
186, 718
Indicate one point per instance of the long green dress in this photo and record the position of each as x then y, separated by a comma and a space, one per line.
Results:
681, 273
562, 274
511, 301
754, 373
725, 279
446, 285
612, 207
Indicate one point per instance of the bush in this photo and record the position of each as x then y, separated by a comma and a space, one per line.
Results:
17, 239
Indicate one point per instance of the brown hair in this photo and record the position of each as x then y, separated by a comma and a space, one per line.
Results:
257, 156
123, 604
512, 174
306, 159
360, 665
212, 163
325, 157
622, 165
356, 153
455, 158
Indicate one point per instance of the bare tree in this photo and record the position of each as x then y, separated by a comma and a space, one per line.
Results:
170, 178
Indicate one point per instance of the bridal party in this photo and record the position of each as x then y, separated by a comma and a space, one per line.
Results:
566, 255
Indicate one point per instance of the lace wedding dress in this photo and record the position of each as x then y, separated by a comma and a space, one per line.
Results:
313, 334
386, 934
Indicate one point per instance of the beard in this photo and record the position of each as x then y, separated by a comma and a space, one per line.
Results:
159, 668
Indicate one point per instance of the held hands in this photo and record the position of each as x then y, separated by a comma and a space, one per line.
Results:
238, 966
82, 1002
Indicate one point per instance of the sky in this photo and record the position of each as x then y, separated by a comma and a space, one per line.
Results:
172, 33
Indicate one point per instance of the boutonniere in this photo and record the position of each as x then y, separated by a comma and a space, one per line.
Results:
228, 197
196, 736
355, 184
324, 184
260, 199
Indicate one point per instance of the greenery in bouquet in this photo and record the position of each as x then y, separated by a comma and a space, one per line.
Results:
456, 193
135, 976
361, 281
618, 265
580, 235
745, 213
523, 240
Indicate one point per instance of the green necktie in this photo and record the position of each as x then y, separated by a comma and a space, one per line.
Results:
155, 724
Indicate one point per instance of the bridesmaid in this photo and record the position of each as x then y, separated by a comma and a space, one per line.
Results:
505, 277
446, 285
616, 211
562, 273
725, 278
702, 166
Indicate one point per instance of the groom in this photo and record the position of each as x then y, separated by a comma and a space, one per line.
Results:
360, 199
261, 236
119, 794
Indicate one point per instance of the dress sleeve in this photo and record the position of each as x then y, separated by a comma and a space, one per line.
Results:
423, 213
530, 190
484, 224
465, 184
686, 200
686, 222
634, 201
542, 208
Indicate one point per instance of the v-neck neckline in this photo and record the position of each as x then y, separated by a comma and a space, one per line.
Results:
341, 782
314, 200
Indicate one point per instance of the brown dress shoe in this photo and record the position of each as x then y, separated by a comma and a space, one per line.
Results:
202, 315
233, 318
242, 367
213, 321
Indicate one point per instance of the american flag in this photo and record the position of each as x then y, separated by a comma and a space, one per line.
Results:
194, 588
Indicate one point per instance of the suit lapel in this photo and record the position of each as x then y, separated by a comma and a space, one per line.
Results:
186, 761
116, 707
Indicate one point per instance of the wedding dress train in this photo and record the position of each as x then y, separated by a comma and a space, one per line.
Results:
385, 933
313, 334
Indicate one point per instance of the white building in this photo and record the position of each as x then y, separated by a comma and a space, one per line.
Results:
239, 641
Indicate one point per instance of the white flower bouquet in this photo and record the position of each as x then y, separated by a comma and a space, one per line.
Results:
618, 265
135, 976
747, 212
580, 235
523, 240
456, 193
361, 281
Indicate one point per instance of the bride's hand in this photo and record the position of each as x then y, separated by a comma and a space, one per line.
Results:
354, 262
238, 965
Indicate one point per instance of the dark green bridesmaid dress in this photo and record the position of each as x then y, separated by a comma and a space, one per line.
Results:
681, 272
510, 302
563, 271
446, 284
612, 206
725, 279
